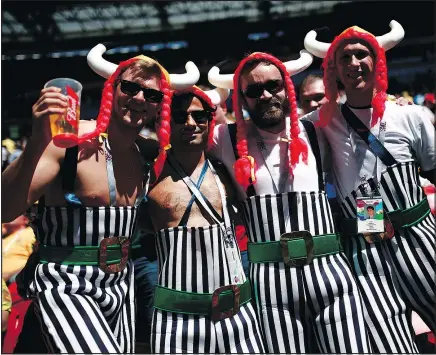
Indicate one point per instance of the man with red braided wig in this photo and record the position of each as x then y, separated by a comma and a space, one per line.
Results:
306, 296
377, 147
81, 275
202, 301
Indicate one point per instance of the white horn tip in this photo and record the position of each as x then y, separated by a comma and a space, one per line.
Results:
213, 71
306, 54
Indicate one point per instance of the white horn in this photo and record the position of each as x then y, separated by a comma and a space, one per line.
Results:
315, 47
183, 81
98, 64
393, 37
218, 95
296, 66
224, 81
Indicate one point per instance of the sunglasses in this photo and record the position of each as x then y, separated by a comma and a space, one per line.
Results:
256, 90
130, 88
200, 117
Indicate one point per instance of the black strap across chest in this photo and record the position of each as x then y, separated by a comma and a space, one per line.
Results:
313, 140
69, 169
373, 143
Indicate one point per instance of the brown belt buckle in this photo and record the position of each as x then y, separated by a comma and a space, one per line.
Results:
216, 314
124, 244
285, 237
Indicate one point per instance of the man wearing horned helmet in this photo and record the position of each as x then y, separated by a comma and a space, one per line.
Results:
81, 278
377, 148
305, 292
202, 301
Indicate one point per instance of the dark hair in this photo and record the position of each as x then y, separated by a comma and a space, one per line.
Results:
311, 78
370, 207
182, 100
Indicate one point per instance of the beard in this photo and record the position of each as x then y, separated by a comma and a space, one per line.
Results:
269, 114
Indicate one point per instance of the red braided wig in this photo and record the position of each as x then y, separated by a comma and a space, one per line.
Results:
245, 167
381, 76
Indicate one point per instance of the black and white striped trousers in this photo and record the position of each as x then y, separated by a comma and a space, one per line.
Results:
85, 310
310, 308
176, 333
395, 277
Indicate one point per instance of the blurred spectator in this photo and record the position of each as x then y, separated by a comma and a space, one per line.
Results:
429, 102
17, 245
19, 146
9, 144
6, 307
407, 96
312, 93
418, 99
5, 157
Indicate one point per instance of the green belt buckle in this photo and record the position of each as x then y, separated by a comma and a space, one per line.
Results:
304, 234
216, 314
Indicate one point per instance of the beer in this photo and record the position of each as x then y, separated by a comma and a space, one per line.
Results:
65, 126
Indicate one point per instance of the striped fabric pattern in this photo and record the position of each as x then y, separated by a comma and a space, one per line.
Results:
68, 226
309, 308
395, 275
84, 309
195, 260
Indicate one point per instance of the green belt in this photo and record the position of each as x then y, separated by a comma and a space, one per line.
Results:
78, 255
399, 218
294, 248
223, 303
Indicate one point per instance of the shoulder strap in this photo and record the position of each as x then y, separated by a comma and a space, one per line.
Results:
184, 220
232, 133
198, 195
110, 172
311, 133
373, 143
69, 169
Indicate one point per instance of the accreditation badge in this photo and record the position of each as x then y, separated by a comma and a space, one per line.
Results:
370, 218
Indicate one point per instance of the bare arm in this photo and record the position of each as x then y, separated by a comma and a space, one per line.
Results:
24, 181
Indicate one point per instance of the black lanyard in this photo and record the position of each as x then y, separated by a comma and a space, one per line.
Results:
373, 143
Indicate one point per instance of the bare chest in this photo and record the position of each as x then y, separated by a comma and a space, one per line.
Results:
169, 200
95, 176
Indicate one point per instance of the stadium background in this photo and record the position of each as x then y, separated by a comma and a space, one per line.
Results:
44, 40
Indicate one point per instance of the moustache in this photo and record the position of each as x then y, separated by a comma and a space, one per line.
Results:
273, 103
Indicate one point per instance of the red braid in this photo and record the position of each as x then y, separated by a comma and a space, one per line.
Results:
105, 112
163, 127
381, 76
245, 167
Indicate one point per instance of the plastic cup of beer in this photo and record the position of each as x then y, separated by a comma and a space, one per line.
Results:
65, 126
